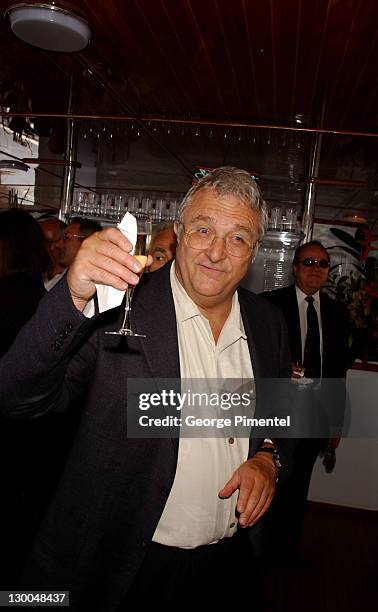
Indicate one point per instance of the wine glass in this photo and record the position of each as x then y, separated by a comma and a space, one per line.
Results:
144, 229
297, 369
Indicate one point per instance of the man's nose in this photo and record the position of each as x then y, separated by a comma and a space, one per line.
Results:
59, 244
217, 249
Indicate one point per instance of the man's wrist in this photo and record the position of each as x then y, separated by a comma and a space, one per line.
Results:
269, 447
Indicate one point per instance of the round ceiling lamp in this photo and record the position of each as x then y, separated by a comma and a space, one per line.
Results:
49, 27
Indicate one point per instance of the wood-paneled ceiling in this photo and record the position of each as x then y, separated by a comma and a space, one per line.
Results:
240, 60
270, 62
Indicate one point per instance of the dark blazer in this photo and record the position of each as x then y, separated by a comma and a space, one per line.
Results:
319, 413
334, 329
114, 488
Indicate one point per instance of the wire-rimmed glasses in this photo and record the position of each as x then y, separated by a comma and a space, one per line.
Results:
237, 244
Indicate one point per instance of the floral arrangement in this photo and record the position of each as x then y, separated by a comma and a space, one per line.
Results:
359, 291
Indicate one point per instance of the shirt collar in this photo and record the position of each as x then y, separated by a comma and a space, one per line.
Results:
184, 305
301, 296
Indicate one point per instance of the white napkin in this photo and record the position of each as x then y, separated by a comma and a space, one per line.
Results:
107, 296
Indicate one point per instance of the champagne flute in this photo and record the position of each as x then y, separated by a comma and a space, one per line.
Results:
144, 229
297, 369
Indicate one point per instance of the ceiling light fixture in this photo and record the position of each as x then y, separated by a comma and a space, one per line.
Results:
9, 164
49, 27
355, 218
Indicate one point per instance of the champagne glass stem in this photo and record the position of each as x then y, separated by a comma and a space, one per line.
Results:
126, 324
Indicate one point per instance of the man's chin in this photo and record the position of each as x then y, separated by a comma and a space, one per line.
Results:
209, 290
314, 288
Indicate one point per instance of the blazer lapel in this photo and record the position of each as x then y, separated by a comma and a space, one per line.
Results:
327, 324
153, 314
254, 342
256, 346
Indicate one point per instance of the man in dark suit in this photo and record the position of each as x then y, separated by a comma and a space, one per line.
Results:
318, 333
135, 519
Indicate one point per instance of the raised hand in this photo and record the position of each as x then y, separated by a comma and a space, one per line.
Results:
103, 258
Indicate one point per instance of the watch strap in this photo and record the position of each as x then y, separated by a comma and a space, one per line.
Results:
275, 454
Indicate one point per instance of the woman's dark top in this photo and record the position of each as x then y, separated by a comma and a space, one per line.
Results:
19, 297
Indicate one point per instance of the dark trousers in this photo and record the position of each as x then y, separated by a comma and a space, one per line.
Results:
218, 574
286, 515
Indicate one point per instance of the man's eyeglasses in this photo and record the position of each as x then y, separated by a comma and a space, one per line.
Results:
202, 238
310, 262
69, 236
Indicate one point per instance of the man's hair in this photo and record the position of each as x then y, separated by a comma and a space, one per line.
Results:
22, 244
302, 247
86, 226
228, 180
161, 227
47, 219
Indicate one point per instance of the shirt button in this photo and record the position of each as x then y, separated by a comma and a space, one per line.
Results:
232, 525
231, 440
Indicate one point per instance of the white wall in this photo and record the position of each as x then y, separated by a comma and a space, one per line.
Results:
354, 481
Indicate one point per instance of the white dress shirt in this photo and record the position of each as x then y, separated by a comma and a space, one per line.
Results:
49, 284
194, 514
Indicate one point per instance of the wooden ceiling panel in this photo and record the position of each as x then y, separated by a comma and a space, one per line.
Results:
308, 83
258, 22
245, 60
287, 54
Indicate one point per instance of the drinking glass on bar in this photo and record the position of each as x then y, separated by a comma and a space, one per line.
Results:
132, 204
119, 202
291, 219
159, 209
147, 206
275, 220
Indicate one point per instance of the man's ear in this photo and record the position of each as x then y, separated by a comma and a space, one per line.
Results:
255, 251
177, 229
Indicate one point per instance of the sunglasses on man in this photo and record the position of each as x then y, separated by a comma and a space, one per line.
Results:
310, 262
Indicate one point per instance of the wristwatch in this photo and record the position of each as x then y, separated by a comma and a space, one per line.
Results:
272, 450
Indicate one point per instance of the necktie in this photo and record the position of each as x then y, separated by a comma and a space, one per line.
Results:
312, 359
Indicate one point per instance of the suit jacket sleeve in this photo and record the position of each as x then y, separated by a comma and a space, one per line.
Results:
49, 363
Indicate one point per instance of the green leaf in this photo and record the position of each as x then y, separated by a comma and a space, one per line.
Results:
342, 279
347, 238
361, 270
346, 249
